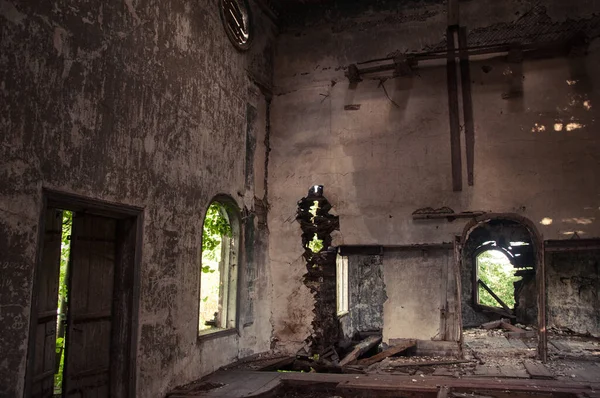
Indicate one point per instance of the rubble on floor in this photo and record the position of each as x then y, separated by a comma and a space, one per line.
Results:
488, 354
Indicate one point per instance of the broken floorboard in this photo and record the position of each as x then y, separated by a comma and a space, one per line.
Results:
360, 349
428, 363
525, 334
388, 353
537, 370
428, 348
237, 384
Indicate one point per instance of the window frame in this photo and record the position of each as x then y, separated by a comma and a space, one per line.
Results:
232, 256
342, 286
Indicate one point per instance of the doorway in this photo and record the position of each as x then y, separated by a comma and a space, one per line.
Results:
84, 313
502, 295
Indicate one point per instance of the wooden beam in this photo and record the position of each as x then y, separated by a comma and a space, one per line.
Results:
491, 292
448, 216
453, 13
512, 328
465, 80
495, 310
360, 349
452, 81
492, 324
540, 283
388, 353
429, 363
525, 334
458, 285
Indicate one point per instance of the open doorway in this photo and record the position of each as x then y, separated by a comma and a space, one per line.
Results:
499, 266
82, 336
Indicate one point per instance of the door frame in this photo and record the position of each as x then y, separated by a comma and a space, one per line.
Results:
78, 203
540, 268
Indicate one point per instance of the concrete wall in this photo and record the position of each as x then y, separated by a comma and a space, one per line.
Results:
139, 103
416, 289
573, 285
390, 156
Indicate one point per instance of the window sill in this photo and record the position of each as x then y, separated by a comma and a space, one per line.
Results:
215, 334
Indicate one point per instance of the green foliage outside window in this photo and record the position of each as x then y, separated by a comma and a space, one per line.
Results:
496, 271
216, 226
65, 253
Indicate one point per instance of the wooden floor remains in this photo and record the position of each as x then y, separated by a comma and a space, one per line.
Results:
242, 383
493, 367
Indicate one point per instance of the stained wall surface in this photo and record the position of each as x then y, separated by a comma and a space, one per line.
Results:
366, 295
572, 285
381, 147
142, 104
416, 289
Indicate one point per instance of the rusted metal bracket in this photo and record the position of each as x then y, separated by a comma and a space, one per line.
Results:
356, 71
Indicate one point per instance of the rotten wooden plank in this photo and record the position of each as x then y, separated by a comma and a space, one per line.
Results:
492, 324
360, 349
521, 335
276, 363
537, 370
428, 363
512, 328
432, 347
496, 310
443, 392
388, 353
561, 346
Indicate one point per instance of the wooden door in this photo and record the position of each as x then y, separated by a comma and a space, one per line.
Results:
44, 358
93, 248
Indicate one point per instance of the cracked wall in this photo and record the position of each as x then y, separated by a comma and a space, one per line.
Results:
382, 158
318, 223
143, 104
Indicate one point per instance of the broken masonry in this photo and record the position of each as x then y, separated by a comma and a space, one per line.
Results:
317, 225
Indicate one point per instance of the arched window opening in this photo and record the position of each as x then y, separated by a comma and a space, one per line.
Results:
218, 271
495, 280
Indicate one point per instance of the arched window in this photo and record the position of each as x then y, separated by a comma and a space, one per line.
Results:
219, 267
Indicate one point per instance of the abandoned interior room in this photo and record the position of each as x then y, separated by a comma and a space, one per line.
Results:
300, 198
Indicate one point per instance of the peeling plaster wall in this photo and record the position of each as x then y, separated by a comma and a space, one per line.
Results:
573, 288
138, 103
387, 157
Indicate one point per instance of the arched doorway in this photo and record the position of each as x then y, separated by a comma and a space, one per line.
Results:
502, 274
